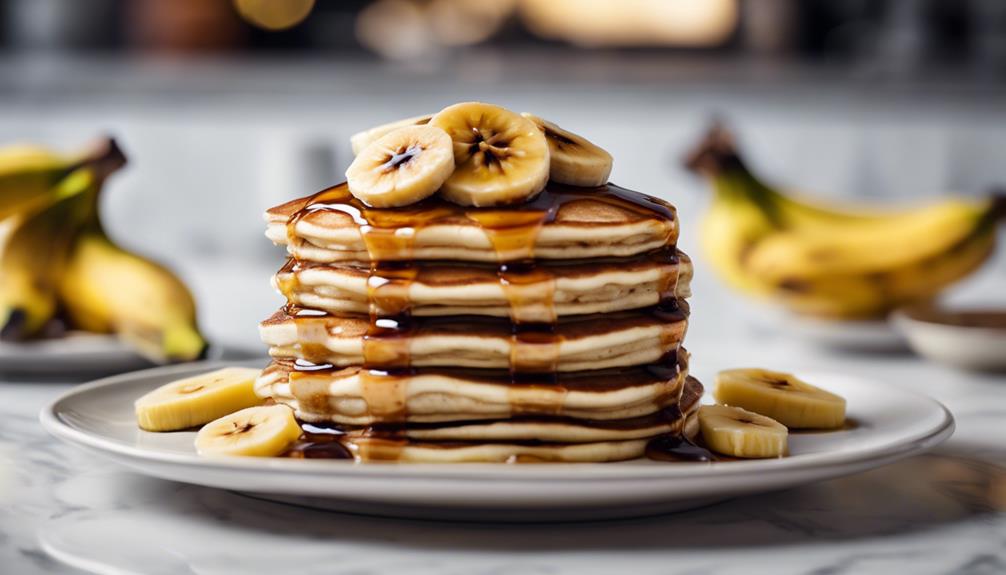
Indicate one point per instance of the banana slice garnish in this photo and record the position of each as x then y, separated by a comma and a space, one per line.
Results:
574, 160
261, 431
196, 400
739, 433
401, 167
361, 140
781, 396
500, 157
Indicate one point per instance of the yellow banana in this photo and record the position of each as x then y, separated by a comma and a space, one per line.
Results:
823, 261
108, 289
873, 295
57, 257
28, 173
866, 248
34, 254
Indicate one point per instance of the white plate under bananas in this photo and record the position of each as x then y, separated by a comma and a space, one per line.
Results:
76, 353
887, 423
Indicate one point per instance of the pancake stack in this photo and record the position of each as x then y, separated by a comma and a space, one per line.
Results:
549, 329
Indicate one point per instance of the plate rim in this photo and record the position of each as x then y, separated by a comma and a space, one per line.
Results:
54, 425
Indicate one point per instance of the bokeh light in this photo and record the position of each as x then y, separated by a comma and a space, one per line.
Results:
274, 14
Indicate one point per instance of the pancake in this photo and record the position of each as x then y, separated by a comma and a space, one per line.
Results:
521, 440
576, 343
368, 449
533, 295
356, 397
562, 222
555, 428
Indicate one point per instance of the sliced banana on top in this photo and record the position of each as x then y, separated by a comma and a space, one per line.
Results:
739, 433
500, 157
196, 400
262, 431
574, 160
781, 396
361, 140
401, 167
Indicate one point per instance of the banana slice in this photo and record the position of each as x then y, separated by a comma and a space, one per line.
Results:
739, 433
361, 140
500, 158
401, 167
196, 400
261, 431
781, 396
573, 159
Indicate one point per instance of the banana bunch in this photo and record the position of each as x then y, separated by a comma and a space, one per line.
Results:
472, 154
57, 265
823, 261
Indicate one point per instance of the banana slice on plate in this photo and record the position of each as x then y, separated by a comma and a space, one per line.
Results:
401, 167
196, 400
781, 396
361, 140
573, 159
261, 431
739, 433
500, 157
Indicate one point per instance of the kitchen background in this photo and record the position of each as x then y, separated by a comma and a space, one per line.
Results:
222, 114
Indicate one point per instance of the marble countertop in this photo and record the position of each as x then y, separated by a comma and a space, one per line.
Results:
941, 512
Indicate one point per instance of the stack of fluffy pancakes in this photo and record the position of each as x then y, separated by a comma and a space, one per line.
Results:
547, 331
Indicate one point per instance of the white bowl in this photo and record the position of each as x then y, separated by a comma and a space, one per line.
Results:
968, 347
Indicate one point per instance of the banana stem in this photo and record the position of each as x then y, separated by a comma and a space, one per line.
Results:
998, 211
104, 157
717, 159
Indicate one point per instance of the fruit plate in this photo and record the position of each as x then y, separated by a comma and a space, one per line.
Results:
886, 423
76, 352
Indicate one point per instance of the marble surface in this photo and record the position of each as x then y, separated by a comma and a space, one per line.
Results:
62, 510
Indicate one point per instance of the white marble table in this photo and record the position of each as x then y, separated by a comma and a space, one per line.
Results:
941, 512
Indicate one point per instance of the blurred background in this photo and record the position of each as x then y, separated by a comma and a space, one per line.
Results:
228, 107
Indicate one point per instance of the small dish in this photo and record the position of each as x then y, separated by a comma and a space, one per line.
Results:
973, 339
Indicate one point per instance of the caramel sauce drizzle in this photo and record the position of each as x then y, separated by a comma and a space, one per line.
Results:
389, 236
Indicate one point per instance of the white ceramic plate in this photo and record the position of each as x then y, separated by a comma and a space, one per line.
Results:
77, 352
889, 423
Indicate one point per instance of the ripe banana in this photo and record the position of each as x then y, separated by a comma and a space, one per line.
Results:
500, 157
573, 159
402, 167
35, 253
262, 431
29, 173
107, 289
197, 400
56, 257
823, 261
856, 296
781, 396
738, 433
361, 140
